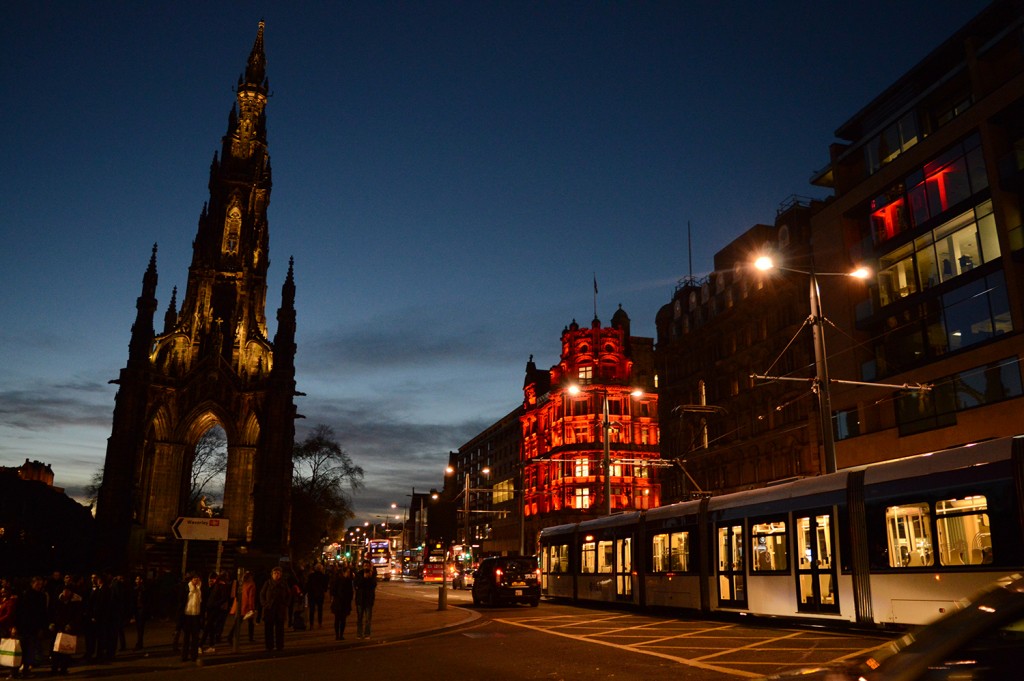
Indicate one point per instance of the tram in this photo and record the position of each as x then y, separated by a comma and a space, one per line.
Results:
898, 543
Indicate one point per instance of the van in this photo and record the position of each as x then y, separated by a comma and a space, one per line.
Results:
504, 579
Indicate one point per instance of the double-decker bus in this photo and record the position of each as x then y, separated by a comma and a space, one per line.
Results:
434, 562
379, 554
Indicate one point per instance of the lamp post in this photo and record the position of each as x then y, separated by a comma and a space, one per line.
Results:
821, 386
606, 426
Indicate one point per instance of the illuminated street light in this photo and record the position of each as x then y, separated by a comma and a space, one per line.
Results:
821, 385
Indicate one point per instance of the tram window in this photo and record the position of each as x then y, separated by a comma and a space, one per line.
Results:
769, 547
587, 557
909, 529
605, 556
963, 531
558, 561
670, 552
730, 548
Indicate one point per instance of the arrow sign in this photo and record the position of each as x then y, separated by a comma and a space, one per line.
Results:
203, 529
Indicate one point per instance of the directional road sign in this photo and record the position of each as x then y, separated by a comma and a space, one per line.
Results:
209, 529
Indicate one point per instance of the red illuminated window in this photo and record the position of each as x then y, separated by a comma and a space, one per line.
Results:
888, 220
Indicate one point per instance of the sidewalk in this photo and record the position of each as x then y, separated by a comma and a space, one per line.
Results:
399, 613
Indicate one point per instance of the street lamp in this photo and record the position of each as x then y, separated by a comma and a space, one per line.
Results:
606, 426
821, 386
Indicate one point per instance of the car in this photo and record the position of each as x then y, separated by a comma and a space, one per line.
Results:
507, 579
463, 579
981, 641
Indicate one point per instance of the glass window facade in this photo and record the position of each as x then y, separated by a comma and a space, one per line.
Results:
919, 411
939, 186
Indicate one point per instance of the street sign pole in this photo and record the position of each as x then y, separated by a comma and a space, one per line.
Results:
184, 559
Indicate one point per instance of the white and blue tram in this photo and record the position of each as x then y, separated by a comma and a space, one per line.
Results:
893, 543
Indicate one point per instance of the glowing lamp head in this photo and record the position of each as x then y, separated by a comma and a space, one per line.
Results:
861, 273
764, 263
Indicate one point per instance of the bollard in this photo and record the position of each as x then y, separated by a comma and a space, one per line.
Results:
442, 598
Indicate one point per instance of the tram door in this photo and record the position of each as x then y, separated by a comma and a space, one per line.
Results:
732, 586
816, 564
624, 571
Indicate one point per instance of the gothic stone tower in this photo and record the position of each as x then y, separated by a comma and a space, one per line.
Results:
213, 364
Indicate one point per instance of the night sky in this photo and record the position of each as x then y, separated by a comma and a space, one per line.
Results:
449, 177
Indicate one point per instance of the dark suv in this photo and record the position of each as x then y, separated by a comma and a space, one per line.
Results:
507, 580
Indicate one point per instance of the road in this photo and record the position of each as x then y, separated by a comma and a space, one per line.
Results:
557, 642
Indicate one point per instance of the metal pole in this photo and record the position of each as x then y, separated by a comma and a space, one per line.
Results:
465, 512
522, 514
821, 365
606, 425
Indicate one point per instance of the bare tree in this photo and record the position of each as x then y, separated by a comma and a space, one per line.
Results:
323, 477
208, 466
92, 490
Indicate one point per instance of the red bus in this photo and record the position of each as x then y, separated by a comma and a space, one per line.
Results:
434, 563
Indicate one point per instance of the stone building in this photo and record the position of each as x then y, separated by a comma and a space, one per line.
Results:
213, 363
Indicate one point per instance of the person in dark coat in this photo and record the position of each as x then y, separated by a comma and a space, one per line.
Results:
316, 587
33, 620
341, 599
365, 586
67, 611
276, 602
120, 596
100, 632
218, 601
180, 596
139, 609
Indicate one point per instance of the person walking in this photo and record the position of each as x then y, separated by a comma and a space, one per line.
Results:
217, 605
365, 586
275, 600
178, 600
32, 621
8, 610
139, 609
341, 599
191, 619
248, 609
316, 587
67, 619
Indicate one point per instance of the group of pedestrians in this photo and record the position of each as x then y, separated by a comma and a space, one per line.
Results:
202, 612
280, 603
50, 619
92, 613
347, 587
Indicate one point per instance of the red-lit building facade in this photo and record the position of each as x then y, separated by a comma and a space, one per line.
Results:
603, 386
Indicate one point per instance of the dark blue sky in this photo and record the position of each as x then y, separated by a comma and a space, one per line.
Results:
449, 178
